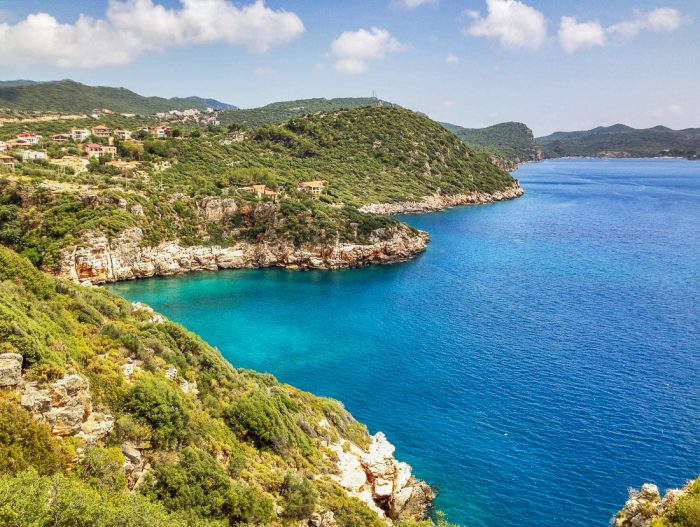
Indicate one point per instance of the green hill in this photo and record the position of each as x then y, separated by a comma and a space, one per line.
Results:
512, 141
280, 112
366, 155
623, 141
68, 96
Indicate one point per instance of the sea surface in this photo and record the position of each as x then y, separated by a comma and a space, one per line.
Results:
540, 358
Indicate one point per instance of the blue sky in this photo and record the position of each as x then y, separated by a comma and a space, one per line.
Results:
470, 62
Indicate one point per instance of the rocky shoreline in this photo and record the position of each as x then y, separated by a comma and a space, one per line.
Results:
99, 259
438, 202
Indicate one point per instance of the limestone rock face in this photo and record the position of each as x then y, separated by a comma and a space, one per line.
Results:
10, 369
66, 406
99, 259
437, 202
386, 485
217, 209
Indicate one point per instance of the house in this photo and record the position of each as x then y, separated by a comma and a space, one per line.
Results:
259, 190
31, 155
315, 187
93, 150
60, 138
163, 131
101, 131
28, 138
109, 151
79, 134
7, 162
123, 135
3, 146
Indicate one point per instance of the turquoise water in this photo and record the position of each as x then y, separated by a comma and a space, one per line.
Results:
541, 356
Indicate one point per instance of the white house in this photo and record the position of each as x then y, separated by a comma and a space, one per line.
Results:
29, 138
29, 155
3, 146
79, 134
124, 135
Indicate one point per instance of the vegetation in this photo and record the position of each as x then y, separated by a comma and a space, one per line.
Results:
365, 155
280, 112
512, 141
685, 513
68, 96
623, 141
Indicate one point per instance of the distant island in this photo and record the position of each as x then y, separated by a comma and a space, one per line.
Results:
622, 141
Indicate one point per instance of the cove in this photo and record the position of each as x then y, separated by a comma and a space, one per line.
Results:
540, 358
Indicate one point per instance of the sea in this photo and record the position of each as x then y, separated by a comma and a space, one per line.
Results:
537, 361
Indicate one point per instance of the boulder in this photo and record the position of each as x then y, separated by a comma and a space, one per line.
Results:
323, 519
10, 369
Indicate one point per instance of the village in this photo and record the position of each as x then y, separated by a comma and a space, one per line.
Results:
73, 152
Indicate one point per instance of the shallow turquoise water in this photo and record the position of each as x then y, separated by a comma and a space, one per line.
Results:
540, 358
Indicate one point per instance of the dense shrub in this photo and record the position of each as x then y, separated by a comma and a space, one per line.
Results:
103, 468
299, 497
160, 405
24, 443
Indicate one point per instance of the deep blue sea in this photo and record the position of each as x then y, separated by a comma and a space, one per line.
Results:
540, 358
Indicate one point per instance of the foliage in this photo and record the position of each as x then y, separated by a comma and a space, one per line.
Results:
158, 404
102, 468
686, 512
24, 443
70, 96
198, 485
514, 141
299, 497
621, 140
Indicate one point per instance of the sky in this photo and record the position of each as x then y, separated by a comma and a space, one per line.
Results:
556, 65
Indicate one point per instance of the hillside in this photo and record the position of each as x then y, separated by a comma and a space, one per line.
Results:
187, 202
512, 141
623, 141
67, 96
111, 415
280, 112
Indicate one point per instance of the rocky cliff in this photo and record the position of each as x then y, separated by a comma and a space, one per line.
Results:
99, 259
438, 202
646, 505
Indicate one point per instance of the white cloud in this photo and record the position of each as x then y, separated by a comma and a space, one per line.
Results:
448, 104
575, 36
354, 49
133, 27
662, 19
513, 23
452, 58
412, 4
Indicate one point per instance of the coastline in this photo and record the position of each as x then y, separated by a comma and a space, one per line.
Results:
99, 259
438, 202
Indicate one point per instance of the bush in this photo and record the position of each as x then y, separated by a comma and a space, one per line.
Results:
160, 405
199, 485
24, 443
299, 496
103, 468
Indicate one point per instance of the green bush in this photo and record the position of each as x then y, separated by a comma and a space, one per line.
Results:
299, 497
24, 443
160, 405
103, 468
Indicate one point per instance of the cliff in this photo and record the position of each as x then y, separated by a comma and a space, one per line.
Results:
647, 508
99, 259
437, 202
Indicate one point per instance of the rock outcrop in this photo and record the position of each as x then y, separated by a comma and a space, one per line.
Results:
66, 407
99, 259
10, 369
646, 505
386, 485
438, 202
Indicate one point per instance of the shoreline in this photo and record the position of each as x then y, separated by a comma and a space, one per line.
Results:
100, 260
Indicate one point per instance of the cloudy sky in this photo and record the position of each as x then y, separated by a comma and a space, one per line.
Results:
553, 64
